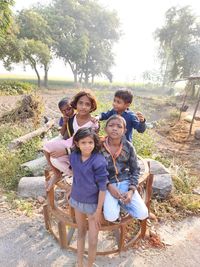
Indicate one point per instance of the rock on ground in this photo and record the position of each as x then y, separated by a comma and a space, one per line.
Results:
32, 187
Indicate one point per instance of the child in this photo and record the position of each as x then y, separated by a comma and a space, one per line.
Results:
66, 120
66, 131
88, 189
84, 103
123, 173
121, 103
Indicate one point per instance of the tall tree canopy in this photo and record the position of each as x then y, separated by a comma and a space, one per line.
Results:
5, 16
179, 41
36, 34
83, 34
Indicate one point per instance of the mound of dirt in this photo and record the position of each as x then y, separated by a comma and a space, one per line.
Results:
30, 107
178, 131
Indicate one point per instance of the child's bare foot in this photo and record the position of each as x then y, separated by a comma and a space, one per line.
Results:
50, 183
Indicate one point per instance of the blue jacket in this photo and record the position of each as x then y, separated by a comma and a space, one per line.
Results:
132, 122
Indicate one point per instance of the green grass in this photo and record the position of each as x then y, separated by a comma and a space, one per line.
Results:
10, 161
60, 83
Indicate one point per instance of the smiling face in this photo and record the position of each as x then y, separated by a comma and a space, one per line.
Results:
67, 110
115, 128
84, 105
86, 146
119, 105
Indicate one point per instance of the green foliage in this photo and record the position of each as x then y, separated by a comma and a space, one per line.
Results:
144, 144
15, 88
179, 43
5, 16
83, 33
10, 170
20, 204
182, 201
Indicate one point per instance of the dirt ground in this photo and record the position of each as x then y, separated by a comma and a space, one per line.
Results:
24, 242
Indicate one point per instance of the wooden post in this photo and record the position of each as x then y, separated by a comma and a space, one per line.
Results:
50, 194
195, 111
46, 217
62, 234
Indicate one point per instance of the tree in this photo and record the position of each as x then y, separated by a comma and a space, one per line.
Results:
5, 16
35, 53
7, 42
82, 31
33, 26
179, 41
103, 31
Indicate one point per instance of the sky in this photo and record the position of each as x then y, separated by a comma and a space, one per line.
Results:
137, 50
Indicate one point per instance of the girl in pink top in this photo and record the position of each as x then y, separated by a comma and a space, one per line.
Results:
84, 103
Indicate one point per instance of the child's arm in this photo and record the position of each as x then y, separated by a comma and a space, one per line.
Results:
105, 115
139, 122
64, 126
97, 214
133, 167
140, 116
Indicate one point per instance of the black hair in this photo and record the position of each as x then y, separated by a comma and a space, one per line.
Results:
63, 101
85, 132
116, 117
87, 93
125, 95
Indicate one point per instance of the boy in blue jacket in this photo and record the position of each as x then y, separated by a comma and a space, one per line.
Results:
122, 101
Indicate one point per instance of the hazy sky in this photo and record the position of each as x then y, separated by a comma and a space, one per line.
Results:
136, 50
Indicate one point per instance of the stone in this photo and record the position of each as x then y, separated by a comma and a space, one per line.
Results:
156, 167
188, 118
196, 191
32, 187
41, 199
162, 186
197, 134
36, 166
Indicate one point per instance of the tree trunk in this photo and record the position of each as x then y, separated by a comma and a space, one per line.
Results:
46, 69
92, 79
38, 75
25, 138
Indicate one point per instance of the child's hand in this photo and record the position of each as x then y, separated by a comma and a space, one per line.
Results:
97, 218
65, 118
94, 119
58, 153
114, 192
127, 197
140, 116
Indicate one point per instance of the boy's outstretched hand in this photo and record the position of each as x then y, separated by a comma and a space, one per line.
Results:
140, 116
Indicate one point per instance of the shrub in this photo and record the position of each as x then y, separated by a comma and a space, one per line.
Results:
10, 170
15, 88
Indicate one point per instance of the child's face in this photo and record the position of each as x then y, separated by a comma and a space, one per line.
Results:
83, 105
86, 145
115, 129
67, 110
119, 105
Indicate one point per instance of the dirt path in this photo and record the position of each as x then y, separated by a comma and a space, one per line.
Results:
24, 242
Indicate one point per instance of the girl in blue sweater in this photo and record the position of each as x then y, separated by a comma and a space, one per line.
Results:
88, 189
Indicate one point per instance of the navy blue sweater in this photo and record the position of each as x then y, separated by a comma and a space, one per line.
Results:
89, 177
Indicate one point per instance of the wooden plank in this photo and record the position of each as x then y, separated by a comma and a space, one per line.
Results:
62, 234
